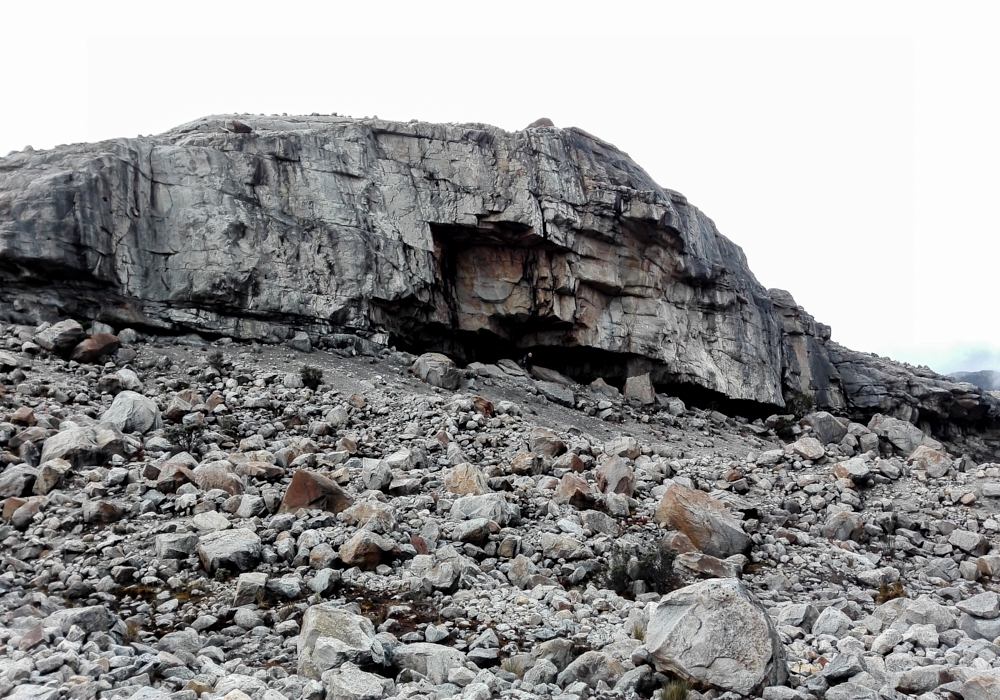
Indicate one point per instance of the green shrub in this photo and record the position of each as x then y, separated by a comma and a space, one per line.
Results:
184, 436
312, 377
217, 360
654, 565
799, 403
616, 573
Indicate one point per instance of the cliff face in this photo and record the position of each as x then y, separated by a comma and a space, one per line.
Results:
424, 234
465, 238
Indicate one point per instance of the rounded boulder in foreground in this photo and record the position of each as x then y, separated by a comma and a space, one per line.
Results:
716, 633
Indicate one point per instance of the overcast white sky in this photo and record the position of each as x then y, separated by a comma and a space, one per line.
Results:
850, 148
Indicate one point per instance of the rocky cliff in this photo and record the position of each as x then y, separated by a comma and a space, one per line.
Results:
463, 238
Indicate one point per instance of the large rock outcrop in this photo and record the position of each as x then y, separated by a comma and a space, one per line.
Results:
256, 227
460, 238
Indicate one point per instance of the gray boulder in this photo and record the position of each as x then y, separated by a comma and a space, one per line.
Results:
133, 413
430, 660
331, 636
437, 370
716, 633
234, 550
825, 427
60, 337
84, 446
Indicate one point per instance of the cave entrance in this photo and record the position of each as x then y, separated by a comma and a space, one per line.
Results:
501, 291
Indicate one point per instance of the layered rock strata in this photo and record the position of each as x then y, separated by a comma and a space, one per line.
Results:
461, 238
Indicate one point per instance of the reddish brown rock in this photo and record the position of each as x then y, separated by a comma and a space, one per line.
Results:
526, 463
575, 490
102, 512
679, 542
10, 506
314, 491
706, 521
260, 470
23, 416
616, 476
172, 476
365, 549
95, 347
546, 443
483, 407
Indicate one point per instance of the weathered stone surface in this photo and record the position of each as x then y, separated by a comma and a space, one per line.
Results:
218, 475
465, 479
348, 682
312, 490
437, 370
716, 633
365, 549
84, 446
331, 636
176, 545
574, 490
456, 214
901, 436
640, 388
234, 550
616, 476
17, 480
431, 660
826, 427
985, 605
545, 442
92, 618
935, 462
94, 347
706, 521
133, 413
808, 448
492, 506
60, 336
592, 667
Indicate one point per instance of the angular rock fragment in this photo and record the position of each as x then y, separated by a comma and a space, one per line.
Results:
311, 490
707, 522
234, 550
133, 413
331, 636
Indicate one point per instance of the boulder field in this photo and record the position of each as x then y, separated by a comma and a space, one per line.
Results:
184, 519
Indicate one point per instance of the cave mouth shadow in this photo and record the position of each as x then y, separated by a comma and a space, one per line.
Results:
582, 364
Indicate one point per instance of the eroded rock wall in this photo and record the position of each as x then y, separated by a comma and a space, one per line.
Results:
431, 236
257, 227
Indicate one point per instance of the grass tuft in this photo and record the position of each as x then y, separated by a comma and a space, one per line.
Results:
675, 690
890, 591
